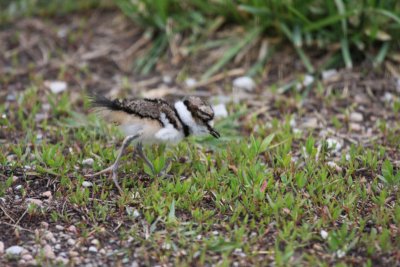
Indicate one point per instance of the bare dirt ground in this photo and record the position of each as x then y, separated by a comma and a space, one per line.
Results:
94, 52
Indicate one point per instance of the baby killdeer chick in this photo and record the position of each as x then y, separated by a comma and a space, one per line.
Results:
152, 121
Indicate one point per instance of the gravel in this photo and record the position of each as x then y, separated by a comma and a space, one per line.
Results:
14, 250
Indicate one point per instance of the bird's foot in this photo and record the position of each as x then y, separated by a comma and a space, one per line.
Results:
113, 175
163, 173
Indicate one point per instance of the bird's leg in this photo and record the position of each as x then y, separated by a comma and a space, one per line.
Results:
114, 167
139, 148
165, 168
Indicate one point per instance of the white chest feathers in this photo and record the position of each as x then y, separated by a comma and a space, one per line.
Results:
169, 133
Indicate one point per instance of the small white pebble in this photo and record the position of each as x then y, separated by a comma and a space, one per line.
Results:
190, 82
88, 162
35, 201
48, 252
44, 225
324, 234
307, 80
14, 250
297, 131
62, 32
166, 246
1, 247
244, 83
333, 165
93, 249
27, 257
292, 122
87, 184
18, 187
59, 227
398, 85
340, 253
56, 87
388, 97
356, 117
167, 79
95, 242
215, 233
220, 111
71, 242
334, 144
72, 229
329, 74
348, 157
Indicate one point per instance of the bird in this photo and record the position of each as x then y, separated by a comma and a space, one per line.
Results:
153, 121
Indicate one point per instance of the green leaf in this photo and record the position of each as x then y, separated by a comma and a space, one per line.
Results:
171, 214
266, 142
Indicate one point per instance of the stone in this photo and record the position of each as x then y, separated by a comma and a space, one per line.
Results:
27, 257
62, 260
72, 229
1, 248
356, 117
88, 162
190, 82
35, 201
71, 242
59, 227
307, 80
93, 249
334, 165
73, 254
50, 237
87, 184
220, 111
328, 75
355, 127
14, 250
95, 242
334, 144
56, 87
44, 225
324, 234
48, 252
167, 79
244, 83
47, 194
310, 123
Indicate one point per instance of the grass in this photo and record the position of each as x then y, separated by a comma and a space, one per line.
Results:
11, 10
239, 196
350, 31
361, 29
262, 194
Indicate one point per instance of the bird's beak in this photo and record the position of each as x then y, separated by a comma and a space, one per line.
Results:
213, 132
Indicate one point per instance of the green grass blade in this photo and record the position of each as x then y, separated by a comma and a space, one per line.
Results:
346, 53
382, 54
231, 53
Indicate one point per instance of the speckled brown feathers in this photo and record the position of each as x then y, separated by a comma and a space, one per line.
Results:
199, 108
148, 109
